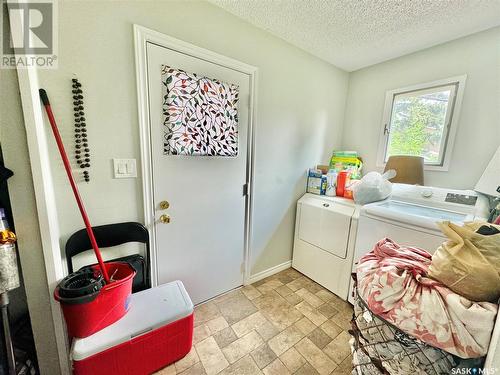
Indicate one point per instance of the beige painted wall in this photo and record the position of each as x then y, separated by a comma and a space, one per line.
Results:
22, 195
301, 102
478, 133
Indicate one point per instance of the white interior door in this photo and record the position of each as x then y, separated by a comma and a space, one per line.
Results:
203, 245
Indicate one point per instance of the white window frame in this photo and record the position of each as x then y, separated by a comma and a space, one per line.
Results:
450, 127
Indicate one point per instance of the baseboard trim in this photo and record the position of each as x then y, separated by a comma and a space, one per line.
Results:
269, 272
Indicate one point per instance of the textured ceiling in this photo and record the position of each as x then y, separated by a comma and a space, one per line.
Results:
353, 34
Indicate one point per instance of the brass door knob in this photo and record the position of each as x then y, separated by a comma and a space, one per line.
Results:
164, 205
165, 219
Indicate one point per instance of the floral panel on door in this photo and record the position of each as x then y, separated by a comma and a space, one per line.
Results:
200, 115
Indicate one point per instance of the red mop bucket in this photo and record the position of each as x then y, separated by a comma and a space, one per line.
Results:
90, 299
89, 313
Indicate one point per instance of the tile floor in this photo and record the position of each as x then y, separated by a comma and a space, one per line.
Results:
284, 324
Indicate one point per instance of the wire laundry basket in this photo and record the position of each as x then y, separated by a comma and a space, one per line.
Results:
378, 347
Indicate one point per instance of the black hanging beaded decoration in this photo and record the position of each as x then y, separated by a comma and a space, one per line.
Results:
82, 155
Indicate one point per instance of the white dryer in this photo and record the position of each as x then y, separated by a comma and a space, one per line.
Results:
325, 231
410, 214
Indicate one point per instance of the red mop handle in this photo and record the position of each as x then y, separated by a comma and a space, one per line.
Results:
67, 166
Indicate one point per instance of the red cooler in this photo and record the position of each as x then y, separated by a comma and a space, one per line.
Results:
156, 331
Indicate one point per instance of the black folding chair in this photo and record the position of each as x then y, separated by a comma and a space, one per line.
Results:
113, 235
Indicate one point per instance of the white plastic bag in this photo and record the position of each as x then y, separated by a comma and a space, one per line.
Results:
373, 187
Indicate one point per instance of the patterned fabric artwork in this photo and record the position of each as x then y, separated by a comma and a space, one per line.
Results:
200, 115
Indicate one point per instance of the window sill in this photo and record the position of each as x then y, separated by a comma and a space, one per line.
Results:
427, 167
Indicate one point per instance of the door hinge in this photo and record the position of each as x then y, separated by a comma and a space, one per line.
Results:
245, 190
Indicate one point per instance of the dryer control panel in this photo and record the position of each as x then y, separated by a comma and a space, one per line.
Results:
469, 200
463, 201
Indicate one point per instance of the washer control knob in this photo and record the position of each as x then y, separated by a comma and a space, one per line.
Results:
427, 193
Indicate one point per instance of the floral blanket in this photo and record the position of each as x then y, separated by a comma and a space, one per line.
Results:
393, 282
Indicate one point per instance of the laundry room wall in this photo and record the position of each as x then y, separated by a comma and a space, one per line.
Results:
478, 132
301, 101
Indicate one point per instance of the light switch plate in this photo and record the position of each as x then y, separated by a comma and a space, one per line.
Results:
125, 168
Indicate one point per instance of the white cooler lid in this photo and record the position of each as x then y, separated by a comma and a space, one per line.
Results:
149, 309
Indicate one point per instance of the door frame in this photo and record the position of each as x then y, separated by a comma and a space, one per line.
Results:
142, 36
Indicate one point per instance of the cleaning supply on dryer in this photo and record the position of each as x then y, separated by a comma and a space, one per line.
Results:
316, 182
323, 168
347, 161
349, 188
331, 183
343, 179
157, 331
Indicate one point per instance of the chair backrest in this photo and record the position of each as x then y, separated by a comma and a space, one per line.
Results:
409, 169
108, 235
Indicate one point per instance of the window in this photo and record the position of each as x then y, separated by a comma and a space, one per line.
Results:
421, 120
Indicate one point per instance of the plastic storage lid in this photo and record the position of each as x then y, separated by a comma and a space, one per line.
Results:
149, 309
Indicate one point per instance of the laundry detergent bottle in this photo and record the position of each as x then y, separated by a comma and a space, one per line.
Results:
342, 182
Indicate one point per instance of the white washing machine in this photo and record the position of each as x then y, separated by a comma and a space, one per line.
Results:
410, 214
325, 231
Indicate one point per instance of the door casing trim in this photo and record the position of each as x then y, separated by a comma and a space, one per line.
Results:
45, 199
143, 36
